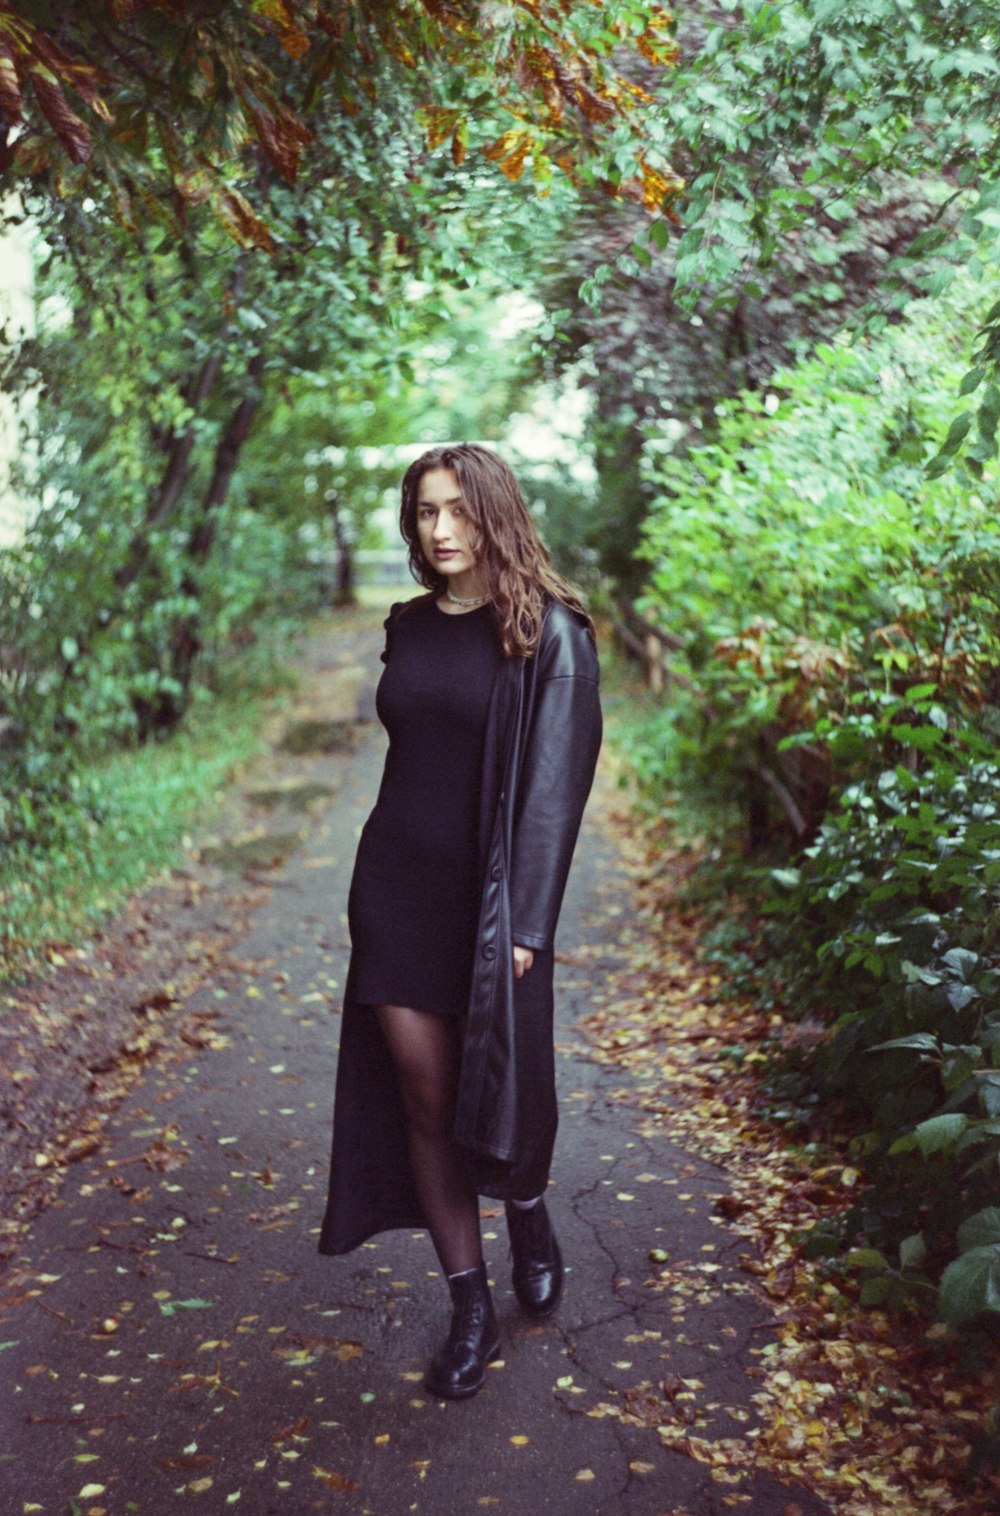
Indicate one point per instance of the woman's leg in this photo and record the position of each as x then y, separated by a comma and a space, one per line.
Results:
426, 1050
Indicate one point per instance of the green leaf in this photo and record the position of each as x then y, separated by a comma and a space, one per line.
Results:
961, 995
875, 1292
988, 416
970, 1285
659, 233
980, 1230
913, 1251
957, 433
866, 1258
989, 1093
940, 1132
961, 961
972, 380
918, 1040
959, 1066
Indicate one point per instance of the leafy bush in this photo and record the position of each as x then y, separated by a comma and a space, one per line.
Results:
77, 829
804, 556
87, 658
890, 933
839, 611
70, 854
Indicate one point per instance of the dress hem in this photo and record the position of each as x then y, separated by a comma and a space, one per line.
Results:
406, 1004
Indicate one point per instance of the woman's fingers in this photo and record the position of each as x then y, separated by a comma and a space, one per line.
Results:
523, 959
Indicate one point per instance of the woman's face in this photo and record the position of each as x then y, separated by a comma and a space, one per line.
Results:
445, 530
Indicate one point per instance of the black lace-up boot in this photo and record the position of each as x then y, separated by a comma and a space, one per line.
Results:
459, 1368
537, 1270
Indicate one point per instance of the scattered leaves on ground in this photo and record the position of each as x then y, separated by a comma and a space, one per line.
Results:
874, 1413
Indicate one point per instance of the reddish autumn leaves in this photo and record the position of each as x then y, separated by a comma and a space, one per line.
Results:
160, 102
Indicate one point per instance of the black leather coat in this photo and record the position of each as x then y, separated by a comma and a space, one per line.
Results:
542, 739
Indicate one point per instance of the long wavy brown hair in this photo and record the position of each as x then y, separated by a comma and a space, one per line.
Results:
514, 563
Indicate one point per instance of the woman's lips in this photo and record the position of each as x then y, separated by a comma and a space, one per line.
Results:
445, 552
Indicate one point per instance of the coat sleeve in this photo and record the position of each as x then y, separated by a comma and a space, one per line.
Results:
556, 775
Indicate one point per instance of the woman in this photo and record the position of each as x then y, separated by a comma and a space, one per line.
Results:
446, 1081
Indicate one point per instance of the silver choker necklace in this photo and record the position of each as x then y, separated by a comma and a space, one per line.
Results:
456, 600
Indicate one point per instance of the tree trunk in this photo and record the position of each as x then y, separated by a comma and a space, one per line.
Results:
344, 592
186, 641
179, 446
227, 454
166, 710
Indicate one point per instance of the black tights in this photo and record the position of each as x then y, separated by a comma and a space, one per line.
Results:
426, 1050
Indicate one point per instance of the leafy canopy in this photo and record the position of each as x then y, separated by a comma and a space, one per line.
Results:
159, 101
789, 110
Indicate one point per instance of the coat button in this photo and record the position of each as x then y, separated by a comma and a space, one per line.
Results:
489, 951
496, 872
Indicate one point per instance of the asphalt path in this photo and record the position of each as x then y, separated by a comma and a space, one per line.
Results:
171, 1339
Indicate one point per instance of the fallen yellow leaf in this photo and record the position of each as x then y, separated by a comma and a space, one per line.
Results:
338, 1482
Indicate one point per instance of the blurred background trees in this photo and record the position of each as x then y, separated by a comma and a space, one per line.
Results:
248, 220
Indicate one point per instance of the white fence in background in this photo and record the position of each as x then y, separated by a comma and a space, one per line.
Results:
387, 565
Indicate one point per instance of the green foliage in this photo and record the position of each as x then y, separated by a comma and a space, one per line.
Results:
970, 1285
840, 628
888, 929
92, 657
197, 408
811, 568
893, 1284
655, 353
125, 108
79, 836
185, 392
791, 113
838, 159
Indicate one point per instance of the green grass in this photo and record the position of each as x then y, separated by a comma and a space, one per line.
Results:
136, 807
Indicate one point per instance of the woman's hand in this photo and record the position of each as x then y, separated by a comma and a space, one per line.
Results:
523, 959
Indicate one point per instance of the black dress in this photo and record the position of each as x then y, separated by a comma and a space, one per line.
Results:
414, 897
